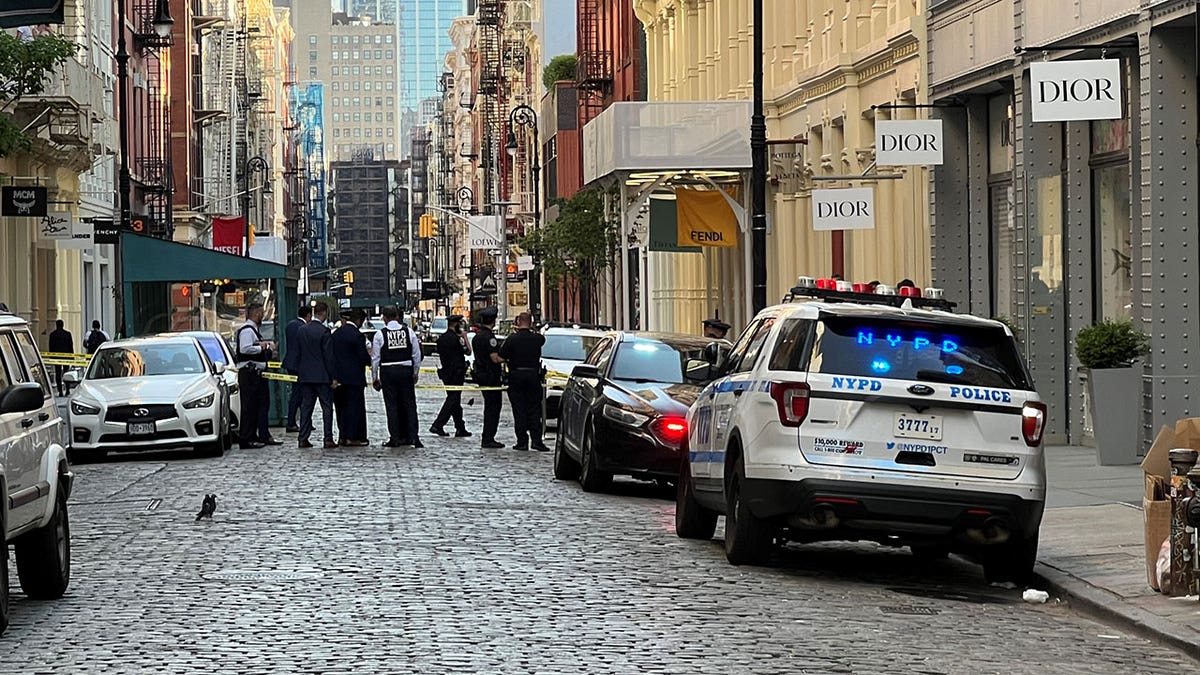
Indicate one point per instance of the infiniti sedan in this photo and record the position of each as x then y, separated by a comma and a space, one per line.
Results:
150, 394
219, 350
624, 410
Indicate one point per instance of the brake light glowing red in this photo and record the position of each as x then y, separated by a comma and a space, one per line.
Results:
670, 430
791, 398
1033, 422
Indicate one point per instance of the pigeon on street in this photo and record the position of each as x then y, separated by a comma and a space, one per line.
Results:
207, 508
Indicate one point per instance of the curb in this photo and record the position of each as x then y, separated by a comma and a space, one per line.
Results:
1110, 607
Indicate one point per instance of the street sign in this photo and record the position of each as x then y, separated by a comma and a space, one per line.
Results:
484, 232
908, 142
488, 285
524, 263
24, 201
105, 231
1066, 91
843, 209
55, 226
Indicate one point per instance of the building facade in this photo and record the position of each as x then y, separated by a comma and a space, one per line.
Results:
363, 226
1056, 225
425, 27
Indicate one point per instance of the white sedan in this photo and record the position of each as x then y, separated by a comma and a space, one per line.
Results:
565, 348
150, 394
219, 350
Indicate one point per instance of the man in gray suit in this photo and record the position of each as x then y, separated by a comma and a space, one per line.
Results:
315, 368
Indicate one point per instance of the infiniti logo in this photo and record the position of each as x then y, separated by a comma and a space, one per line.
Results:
141, 412
920, 390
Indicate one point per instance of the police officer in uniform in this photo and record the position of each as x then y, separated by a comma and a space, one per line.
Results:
452, 349
487, 374
715, 329
252, 356
396, 364
523, 353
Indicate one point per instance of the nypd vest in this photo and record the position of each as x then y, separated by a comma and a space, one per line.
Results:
260, 357
397, 347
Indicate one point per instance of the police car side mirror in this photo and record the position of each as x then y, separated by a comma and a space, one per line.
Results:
71, 377
21, 398
699, 370
219, 368
586, 371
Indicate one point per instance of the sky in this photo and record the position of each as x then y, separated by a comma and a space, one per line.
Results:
560, 28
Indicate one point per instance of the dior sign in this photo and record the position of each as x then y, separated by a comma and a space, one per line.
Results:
1065, 91
908, 142
845, 209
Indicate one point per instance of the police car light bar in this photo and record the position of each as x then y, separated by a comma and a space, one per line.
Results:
831, 290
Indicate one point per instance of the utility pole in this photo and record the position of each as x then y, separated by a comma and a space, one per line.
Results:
123, 179
758, 171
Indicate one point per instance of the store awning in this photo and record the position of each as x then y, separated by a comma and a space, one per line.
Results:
150, 259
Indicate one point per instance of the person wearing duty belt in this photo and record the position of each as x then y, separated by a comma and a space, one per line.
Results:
453, 350
252, 356
395, 367
523, 353
487, 373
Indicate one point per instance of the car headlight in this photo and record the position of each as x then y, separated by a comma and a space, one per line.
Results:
202, 402
623, 416
78, 408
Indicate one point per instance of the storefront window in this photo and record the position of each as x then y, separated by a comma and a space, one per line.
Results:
1113, 218
1003, 236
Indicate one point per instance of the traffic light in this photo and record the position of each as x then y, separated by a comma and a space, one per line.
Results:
349, 291
348, 276
427, 226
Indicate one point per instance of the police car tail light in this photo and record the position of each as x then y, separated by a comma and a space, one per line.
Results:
1033, 423
791, 398
670, 430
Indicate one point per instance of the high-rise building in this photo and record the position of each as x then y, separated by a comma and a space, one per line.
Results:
425, 30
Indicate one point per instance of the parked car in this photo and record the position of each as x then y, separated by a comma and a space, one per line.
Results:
220, 350
565, 348
35, 476
855, 418
151, 394
624, 409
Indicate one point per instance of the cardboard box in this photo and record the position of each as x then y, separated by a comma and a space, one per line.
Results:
1156, 507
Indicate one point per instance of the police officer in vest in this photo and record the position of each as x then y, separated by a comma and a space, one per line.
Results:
253, 353
523, 353
487, 373
396, 365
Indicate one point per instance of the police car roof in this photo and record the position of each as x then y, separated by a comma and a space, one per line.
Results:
686, 339
10, 319
812, 308
150, 339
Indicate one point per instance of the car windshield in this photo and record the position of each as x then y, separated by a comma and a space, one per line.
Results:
653, 361
145, 360
912, 350
212, 347
440, 324
567, 347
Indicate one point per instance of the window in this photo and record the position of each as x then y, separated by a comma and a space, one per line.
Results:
391, 101
312, 55
356, 84
746, 363
355, 39
367, 132
378, 54
345, 55
335, 56
356, 100
379, 101
312, 39
391, 132
356, 55
357, 117
391, 147
337, 134
378, 39
643, 360
337, 86
337, 117
145, 361
335, 70
390, 86
601, 354
388, 70
388, 39
389, 55
568, 347
1113, 218
366, 85
312, 72
9, 353
354, 70
335, 102
789, 347
358, 133
391, 117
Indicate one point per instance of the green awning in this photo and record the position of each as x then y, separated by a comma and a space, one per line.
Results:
151, 259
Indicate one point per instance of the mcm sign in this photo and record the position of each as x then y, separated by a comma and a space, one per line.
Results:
23, 201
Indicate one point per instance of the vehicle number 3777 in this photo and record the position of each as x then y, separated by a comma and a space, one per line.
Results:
918, 426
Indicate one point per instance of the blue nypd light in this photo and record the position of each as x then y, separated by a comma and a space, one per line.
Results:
880, 366
954, 370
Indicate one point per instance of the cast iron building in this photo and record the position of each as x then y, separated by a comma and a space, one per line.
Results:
1056, 225
364, 211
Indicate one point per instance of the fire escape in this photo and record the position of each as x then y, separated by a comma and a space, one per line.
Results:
152, 158
217, 37
594, 67
490, 89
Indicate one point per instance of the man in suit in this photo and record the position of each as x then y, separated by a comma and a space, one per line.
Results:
61, 341
290, 360
314, 376
350, 362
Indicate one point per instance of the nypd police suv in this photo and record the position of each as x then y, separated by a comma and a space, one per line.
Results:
857, 414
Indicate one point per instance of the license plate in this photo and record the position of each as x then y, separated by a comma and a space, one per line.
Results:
908, 425
140, 428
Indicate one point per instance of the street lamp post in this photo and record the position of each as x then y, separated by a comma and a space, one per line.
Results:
253, 164
525, 116
758, 172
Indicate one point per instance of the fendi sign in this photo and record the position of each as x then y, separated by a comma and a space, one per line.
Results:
1067, 91
845, 209
908, 142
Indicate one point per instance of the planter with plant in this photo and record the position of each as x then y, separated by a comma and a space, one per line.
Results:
1108, 352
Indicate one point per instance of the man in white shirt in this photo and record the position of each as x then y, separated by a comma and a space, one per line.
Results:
395, 367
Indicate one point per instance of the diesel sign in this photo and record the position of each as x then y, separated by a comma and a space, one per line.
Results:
847, 209
908, 142
1063, 91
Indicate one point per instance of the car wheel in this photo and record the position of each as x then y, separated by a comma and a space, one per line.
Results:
3, 576
748, 539
1010, 562
591, 478
44, 555
692, 521
565, 468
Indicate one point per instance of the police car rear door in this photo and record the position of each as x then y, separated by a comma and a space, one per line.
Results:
922, 395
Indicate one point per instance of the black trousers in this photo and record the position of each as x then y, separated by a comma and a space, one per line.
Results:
525, 396
351, 405
58, 375
492, 402
253, 389
310, 393
264, 412
400, 403
452, 406
293, 401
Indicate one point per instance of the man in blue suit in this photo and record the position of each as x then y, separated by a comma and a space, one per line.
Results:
350, 362
291, 359
314, 375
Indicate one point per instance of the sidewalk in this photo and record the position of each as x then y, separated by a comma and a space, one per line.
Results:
1092, 549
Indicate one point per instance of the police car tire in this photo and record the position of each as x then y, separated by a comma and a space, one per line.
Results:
3, 573
43, 562
565, 468
692, 521
1011, 562
748, 539
591, 478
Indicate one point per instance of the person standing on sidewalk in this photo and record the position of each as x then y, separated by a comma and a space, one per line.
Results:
95, 338
60, 341
395, 367
453, 350
523, 352
315, 378
291, 359
350, 361
487, 373
252, 356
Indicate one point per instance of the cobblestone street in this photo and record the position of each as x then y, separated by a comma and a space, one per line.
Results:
452, 559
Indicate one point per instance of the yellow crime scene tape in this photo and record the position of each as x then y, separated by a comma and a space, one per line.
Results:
65, 359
